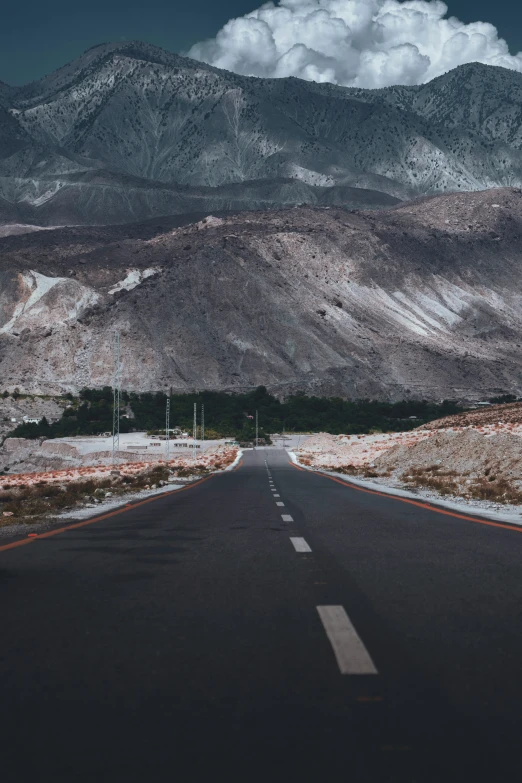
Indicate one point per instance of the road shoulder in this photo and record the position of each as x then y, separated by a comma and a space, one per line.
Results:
475, 509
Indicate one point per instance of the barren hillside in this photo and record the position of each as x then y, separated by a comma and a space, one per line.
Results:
422, 300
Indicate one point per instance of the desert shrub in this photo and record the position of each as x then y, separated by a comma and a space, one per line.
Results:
499, 490
442, 482
182, 472
348, 469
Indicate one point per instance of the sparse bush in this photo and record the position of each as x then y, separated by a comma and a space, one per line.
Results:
490, 487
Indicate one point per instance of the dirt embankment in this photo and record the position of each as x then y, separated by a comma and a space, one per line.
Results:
466, 464
359, 451
491, 416
481, 463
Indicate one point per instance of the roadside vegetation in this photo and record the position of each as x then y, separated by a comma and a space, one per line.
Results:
446, 482
23, 503
25, 497
233, 415
489, 486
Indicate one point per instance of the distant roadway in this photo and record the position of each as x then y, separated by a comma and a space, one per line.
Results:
267, 624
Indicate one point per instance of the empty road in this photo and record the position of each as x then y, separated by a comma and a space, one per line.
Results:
267, 624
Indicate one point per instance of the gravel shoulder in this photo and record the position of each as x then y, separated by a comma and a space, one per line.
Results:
22, 529
15, 530
495, 512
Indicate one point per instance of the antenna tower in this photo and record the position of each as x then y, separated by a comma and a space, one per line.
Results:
167, 430
116, 389
195, 431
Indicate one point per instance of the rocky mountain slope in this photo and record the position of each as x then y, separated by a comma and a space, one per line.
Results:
423, 300
129, 131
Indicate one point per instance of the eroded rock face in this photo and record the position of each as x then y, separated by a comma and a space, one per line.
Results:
430, 294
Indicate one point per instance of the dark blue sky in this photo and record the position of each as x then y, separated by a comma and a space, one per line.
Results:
37, 37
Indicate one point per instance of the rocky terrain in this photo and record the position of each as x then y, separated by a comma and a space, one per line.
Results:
423, 300
494, 415
129, 131
479, 463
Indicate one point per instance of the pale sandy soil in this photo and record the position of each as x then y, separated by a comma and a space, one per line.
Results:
363, 450
207, 459
21, 455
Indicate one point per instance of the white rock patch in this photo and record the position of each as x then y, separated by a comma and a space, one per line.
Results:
37, 286
133, 279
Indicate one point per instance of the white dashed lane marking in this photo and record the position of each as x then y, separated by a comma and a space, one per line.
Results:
279, 503
300, 545
286, 518
350, 653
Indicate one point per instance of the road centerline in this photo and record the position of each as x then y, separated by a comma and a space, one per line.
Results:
300, 544
350, 653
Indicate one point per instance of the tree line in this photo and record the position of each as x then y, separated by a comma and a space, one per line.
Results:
233, 415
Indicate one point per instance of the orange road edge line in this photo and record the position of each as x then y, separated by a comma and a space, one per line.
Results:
418, 503
86, 522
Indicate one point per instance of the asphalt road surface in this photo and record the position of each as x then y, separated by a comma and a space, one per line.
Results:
267, 624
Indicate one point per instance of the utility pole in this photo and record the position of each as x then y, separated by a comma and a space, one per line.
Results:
116, 390
257, 429
167, 430
195, 430
202, 421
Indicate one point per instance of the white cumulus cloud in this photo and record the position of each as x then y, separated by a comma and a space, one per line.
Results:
356, 43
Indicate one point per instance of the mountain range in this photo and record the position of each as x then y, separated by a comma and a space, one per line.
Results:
129, 131
422, 300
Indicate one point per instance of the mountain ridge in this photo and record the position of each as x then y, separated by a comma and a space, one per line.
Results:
133, 109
